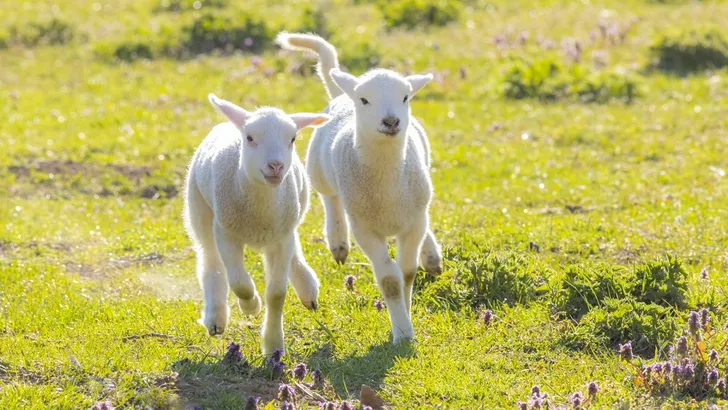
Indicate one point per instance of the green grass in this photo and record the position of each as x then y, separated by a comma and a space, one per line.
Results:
549, 210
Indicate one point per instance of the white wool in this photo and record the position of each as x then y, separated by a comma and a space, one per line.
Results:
250, 193
370, 164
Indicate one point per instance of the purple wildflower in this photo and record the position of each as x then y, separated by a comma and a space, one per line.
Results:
350, 281
286, 392
689, 371
345, 405
522, 406
668, 368
712, 376
233, 354
678, 371
300, 370
704, 274
103, 405
278, 367
277, 355
487, 316
365, 407
500, 41
694, 322
379, 305
248, 41
720, 385
535, 391
318, 377
329, 405
592, 389
523, 37
705, 318
713, 355
657, 367
682, 346
251, 403
287, 406
576, 399
625, 350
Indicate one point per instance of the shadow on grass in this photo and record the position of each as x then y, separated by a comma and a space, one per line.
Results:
219, 385
347, 375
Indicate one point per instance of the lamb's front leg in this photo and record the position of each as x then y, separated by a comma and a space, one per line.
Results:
277, 268
231, 253
389, 279
408, 249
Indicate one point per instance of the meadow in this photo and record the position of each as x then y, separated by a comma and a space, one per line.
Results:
579, 162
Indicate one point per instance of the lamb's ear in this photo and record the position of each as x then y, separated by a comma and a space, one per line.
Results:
304, 120
235, 114
345, 81
418, 81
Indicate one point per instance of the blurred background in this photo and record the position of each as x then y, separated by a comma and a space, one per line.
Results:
579, 156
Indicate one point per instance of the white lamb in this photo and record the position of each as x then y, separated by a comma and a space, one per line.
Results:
370, 163
247, 187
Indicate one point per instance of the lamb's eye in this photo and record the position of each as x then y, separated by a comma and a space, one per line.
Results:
405, 98
250, 139
364, 101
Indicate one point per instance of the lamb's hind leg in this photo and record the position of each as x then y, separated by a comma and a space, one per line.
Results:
337, 228
303, 278
431, 253
210, 270
231, 253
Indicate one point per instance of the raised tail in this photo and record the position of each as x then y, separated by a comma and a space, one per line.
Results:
326, 55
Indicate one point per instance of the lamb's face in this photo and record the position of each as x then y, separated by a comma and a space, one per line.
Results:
382, 106
268, 143
268, 136
381, 100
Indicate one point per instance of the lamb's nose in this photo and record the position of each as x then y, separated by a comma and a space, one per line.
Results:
390, 121
275, 167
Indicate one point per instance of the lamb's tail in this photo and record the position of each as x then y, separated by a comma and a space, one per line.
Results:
326, 55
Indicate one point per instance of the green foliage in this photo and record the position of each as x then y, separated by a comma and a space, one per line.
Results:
210, 33
650, 327
410, 14
483, 277
186, 5
690, 51
360, 57
52, 33
547, 80
133, 51
663, 282
313, 20
584, 288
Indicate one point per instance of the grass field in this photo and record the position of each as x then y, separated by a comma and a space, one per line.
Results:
580, 195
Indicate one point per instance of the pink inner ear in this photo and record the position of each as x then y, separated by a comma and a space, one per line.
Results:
235, 114
309, 120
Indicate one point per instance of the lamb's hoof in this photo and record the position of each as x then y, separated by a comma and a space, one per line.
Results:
433, 264
250, 307
215, 321
340, 254
312, 306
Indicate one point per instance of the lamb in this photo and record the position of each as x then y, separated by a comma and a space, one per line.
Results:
370, 165
247, 187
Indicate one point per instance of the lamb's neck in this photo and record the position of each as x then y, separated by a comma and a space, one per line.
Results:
381, 154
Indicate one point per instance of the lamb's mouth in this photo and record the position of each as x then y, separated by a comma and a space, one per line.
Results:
392, 132
274, 180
